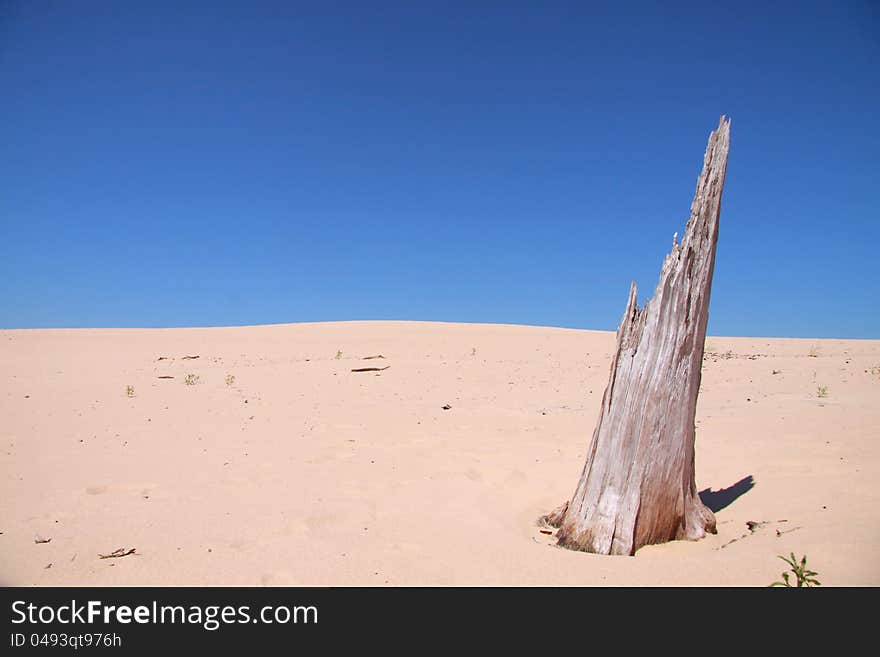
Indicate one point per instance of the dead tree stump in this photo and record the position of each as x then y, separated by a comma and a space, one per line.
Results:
638, 485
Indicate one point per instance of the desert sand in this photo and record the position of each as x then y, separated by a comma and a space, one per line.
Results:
275, 464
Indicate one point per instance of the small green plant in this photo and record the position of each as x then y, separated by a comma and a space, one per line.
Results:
803, 577
129, 391
191, 379
823, 391
230, 379
338, 354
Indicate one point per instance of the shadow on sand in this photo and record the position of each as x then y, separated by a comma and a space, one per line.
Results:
720, 499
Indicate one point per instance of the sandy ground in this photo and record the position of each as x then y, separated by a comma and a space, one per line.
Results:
302, 472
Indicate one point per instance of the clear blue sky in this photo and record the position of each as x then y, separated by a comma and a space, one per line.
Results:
218, 163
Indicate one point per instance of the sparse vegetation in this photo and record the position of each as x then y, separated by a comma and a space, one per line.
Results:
823, 391
814, 352
338, 354
191, 379
129, 391
230, 379
803, 576
474, 351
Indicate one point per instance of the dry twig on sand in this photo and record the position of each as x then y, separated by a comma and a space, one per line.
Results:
370, 369
120, 552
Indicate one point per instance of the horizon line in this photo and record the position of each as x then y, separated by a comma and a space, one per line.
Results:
406, 321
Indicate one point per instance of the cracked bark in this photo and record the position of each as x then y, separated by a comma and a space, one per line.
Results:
638, 485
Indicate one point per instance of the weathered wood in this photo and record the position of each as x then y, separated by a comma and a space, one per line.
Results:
638, 485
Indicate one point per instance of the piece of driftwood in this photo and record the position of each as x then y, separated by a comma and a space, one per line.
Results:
370, 369
119, 552
189, 357
372, 357
638, 485
165, 377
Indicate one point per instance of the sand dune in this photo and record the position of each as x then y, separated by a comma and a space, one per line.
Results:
301, 472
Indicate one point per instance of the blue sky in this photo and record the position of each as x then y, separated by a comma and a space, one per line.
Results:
223, 163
